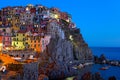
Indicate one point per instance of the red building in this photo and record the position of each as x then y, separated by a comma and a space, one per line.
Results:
33, 10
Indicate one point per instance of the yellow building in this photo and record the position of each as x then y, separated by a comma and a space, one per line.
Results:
15, 20
18, 41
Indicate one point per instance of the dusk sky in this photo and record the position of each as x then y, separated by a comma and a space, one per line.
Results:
98, 20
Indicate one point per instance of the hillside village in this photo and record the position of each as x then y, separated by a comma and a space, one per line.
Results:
26, 28
43, 35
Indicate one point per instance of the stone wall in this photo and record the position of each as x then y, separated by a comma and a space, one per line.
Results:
30, 71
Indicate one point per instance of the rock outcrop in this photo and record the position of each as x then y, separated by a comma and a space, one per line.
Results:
81, 50
71, 47
62, 53
61, 50
90, 76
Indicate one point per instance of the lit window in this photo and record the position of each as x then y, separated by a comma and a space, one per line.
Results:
23, 22
56, 16
27, 9
70, 37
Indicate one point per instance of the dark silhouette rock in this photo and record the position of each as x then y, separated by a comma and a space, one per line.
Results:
86, 76
112, 78
90, 76
102, 57
43, 77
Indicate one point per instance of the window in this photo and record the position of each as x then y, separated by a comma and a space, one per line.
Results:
23, 55
4, 30
43, 42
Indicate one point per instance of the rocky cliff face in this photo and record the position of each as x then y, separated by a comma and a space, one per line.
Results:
61, 50
81, 49
63, 53
71, 47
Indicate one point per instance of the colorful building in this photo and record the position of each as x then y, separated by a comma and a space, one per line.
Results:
31, 27
1, 43
18, 41
6, 41
33, 42
44, 42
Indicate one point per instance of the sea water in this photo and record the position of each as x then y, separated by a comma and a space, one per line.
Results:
112, 53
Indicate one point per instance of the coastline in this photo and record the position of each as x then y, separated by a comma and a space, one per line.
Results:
95, 69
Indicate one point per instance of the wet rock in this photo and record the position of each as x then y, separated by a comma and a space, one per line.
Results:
102, 60
97, 76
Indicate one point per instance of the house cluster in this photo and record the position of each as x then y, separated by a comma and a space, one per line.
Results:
30, 27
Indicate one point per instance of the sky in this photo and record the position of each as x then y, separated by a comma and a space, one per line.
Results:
98, 20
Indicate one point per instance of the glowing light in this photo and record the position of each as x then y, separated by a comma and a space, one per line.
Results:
23, 22
70, 37
56, 16
8, 18
68, 20
1, 44
7, 48
7, 59
0, 22
27, 9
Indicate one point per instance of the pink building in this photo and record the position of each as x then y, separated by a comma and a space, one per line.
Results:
6, 40
45, 41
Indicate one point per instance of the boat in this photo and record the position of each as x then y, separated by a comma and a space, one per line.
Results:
105, 68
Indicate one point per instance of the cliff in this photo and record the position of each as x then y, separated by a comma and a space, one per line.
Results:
63, 53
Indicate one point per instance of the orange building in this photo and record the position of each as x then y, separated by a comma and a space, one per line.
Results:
34, 43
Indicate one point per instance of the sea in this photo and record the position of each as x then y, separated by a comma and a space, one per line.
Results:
111, 53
